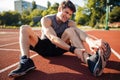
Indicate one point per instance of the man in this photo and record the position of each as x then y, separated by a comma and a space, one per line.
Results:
59, 35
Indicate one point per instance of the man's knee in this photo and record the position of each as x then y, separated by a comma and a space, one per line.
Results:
24, 28
69, 31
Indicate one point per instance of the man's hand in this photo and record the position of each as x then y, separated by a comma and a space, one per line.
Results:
98, 44
80, 52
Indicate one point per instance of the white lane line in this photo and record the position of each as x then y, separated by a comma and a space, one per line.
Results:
8, 32
8, 44
13, 65
115, 53
9, 39
112, 50
3, 49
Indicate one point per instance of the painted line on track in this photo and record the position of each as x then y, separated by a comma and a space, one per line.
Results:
9, 39
13, 65
8, 44
4, 49
8, 32
112, 50
115, 53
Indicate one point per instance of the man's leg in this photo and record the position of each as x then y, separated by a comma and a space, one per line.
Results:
27, 37
70, 35
96, 62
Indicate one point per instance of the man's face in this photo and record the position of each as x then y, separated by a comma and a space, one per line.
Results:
65, 14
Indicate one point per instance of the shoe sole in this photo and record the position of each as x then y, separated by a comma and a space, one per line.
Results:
105, 58
97, 71
20, 74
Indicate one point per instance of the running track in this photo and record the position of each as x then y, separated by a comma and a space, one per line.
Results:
66, 67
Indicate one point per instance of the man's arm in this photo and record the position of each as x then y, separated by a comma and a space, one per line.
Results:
51, 35
93, 43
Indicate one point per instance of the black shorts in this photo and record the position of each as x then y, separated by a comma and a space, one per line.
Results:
46, 48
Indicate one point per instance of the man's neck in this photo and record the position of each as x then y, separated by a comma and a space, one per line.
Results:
58, 19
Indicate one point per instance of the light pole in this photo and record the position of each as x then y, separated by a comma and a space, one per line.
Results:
107, 15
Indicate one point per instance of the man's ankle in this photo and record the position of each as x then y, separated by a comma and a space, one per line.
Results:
23, 57
86, 57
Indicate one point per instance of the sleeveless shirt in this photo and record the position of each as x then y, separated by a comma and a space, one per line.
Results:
59, 28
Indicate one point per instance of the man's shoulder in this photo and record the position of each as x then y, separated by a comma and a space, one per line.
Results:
71, 23
50, 15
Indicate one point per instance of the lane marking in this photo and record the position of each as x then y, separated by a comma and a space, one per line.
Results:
13, 65
115, 53
8, 44
9, 39
112, 50
8, 32
3, 49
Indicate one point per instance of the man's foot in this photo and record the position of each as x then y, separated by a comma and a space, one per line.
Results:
25, 66
97, 62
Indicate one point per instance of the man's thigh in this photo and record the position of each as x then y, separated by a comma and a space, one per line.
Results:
46, 48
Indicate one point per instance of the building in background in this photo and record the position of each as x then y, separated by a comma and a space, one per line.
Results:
21, 5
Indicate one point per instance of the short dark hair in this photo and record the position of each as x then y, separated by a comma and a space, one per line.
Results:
68, 4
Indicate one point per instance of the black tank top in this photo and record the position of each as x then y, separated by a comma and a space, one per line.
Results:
58, 28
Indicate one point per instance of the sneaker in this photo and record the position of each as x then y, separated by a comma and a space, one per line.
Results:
107, 53
25, 66
97, 62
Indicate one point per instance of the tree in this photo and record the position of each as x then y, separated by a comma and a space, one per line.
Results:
97, 10
115, 15
34, 6
45, 12
48, 4
51, 10
10, 18
1, 22
25, 18
36, 12
35, 15
82, 16
55, 6
15, 18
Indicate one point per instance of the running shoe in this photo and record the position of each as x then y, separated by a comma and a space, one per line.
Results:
24, 66
97, 62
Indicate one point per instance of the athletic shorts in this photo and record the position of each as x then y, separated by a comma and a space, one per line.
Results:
47, 49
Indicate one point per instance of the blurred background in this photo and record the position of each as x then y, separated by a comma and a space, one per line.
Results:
90, 13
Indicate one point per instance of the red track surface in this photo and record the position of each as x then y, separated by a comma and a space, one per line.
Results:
66, 67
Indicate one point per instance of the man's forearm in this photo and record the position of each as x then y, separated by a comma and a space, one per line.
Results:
60, 43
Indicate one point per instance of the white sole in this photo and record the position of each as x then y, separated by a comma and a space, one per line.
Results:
21, 74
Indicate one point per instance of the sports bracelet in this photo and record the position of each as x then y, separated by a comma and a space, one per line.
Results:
72, 48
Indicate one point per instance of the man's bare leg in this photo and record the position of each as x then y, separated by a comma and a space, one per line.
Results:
96, 62
27, 37
76, 40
